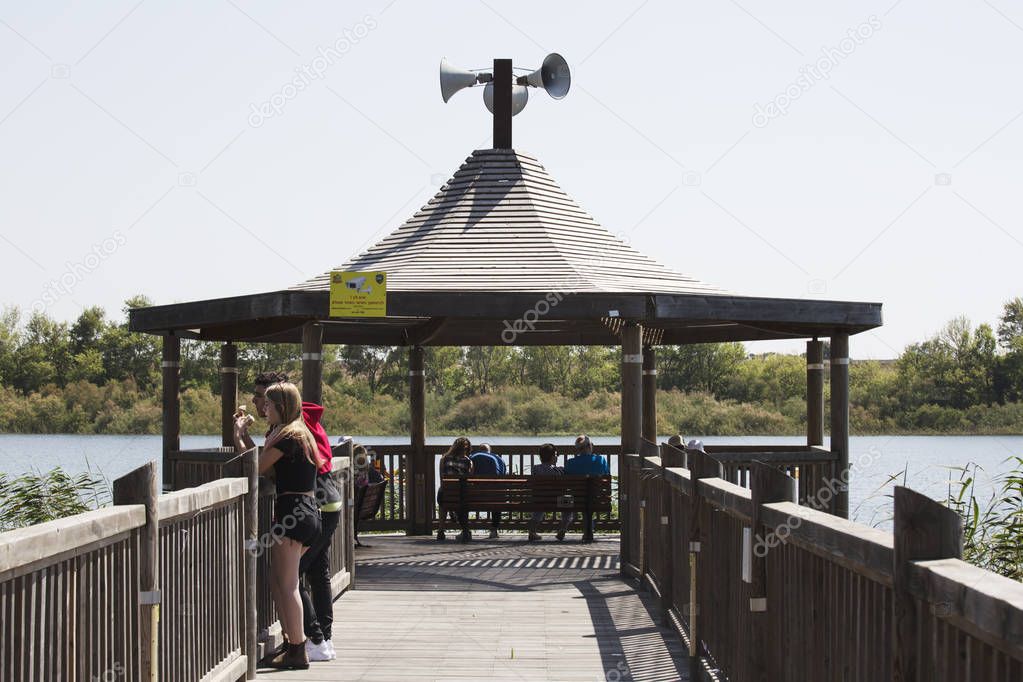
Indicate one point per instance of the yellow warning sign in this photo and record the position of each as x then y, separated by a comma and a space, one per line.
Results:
358, 294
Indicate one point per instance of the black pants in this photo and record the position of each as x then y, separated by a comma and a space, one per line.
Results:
318, 608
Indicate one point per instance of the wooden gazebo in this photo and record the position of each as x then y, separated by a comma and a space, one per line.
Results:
502, 255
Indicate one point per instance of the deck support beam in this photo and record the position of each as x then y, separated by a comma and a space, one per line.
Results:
312, 363
420, 479
650, 394
840, 419
171, 371
228, 392
632, 425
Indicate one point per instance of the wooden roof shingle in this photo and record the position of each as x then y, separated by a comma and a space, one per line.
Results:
497, 238
502, 224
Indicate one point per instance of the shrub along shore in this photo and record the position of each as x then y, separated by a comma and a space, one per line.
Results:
119, 408
93, 376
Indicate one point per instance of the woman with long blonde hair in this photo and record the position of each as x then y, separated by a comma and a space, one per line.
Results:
291, 452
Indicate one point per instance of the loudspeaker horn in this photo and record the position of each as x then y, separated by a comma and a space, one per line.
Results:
553, 76
520, 95
453, 79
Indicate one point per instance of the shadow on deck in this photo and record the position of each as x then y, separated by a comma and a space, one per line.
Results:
501, 609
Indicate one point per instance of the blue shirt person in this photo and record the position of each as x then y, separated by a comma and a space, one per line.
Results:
486, 464
585, 463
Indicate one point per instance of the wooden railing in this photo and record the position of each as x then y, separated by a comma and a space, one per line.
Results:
155, 585
813, 468
393, 459
68, 589
190, 468
786, 592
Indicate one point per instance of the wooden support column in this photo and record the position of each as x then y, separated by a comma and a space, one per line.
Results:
632, 424
765, 644
420, 475
649, 394
171, 369
840, 419
228, 392
312, 363
925, 530
815, 392
140, 487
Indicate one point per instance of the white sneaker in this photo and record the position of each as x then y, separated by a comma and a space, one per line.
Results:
317, 652
330, 645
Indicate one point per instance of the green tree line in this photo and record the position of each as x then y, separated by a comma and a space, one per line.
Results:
94, 376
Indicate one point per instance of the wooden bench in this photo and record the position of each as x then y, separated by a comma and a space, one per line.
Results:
587, 495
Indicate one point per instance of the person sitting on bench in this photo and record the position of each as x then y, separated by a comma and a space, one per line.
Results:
585, 463
455, 462
484, 463
547, 467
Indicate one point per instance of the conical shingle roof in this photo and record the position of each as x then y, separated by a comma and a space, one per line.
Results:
502, 224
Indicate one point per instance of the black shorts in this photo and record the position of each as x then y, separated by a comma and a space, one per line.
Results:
296, 517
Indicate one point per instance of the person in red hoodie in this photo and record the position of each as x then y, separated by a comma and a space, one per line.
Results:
317, 601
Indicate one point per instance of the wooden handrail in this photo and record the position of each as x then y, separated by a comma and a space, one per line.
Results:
27, 549
987, 605
180, 503
141, 574
813, 552
863, 550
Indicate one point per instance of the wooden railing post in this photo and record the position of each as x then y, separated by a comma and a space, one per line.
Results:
140, 487
701, 465
349, 515
250, 467
768, 485
924, 530
673, 458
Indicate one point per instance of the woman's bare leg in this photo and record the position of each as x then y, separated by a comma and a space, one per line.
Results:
284, 565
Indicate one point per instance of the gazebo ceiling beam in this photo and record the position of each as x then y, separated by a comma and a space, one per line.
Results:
780, 311
484, 318
311, 305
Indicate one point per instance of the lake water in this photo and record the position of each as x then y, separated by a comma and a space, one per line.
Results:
927, 460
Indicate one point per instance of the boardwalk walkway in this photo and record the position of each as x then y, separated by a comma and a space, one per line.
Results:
495, 610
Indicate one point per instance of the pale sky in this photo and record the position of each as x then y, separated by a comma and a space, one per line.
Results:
133, 162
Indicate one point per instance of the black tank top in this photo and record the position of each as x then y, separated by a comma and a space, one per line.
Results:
295, 473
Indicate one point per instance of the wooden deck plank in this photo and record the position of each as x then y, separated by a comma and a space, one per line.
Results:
495, 610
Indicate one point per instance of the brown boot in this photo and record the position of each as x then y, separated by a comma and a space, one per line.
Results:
293, 658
